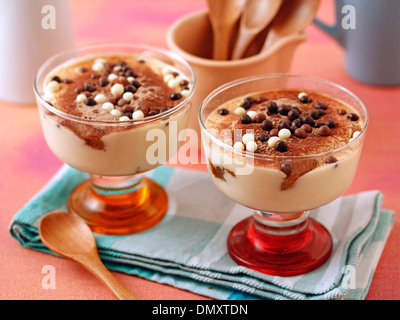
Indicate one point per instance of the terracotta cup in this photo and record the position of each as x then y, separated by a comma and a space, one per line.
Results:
191, 37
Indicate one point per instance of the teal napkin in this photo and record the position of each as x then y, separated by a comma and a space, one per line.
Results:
187, 249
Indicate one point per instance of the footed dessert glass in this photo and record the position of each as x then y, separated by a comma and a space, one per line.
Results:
116, 198
280, 238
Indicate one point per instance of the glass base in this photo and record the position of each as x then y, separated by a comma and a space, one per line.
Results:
119, 205
295, 249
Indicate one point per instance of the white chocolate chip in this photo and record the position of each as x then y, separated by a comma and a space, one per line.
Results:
108, 106
124, 118
239, 111
112, 77
284, 133
301, 94
98, 66
167, 70
128, 96
251, 146
173, 83
117, 68
100, 60
185, 93
247, 138
252, 114
238, 146
168, 77
356, 134
179, 79
100, 98
130, 79
117, 89
137, 115
272, 141
80, 98
53, 86
116, 113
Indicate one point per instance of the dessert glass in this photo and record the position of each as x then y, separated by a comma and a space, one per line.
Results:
280, 238
117, 198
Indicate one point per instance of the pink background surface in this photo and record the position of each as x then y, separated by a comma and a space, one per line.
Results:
26, 163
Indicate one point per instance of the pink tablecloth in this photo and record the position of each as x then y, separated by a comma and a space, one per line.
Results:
26, 163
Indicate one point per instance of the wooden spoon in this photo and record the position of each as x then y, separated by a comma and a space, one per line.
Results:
223, 15
293, 16
69, 236
256, 16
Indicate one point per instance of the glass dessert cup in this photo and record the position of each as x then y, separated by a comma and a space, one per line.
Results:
280, 238
116, 198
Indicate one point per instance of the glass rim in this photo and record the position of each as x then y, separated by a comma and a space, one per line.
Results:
264, 157
116, 45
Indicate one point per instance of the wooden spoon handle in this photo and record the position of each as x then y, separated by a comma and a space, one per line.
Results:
221, 43
106, 277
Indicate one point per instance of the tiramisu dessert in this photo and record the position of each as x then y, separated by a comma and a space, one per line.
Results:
104, 107
299, 147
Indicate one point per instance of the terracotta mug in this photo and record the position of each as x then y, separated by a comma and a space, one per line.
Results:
191, 37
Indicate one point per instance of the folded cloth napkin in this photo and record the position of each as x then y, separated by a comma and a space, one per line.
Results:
187, 249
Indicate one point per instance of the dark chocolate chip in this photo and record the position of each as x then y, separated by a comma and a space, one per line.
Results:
136, 84
129, 73
130, 88
127, 108
261, 99
184, 83
263, 137
260, 117
318, 124
122, 102
90, 102
250, 100
352, 117
284, 125
305, 99
103, 81
89, 86
331, 159
245, 105
245, 119
308, 120
274, 132
223, 112
297, 123
175, 96
95, 76
320, 105
315, 114
281, 146
330, 123
293, 114
128, 114
300, 133
306, 127
272, 107
56, 78
153, 112
78, 89
286, 168
283, 109
324, 130
266, 125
